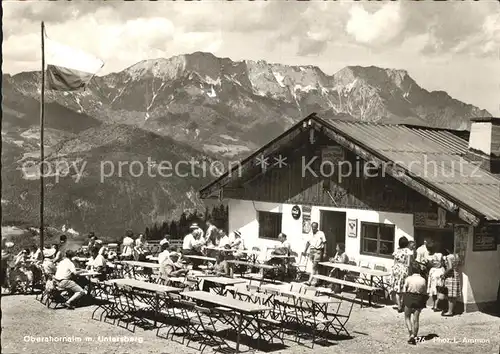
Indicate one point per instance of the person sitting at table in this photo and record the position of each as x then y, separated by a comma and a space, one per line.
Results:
98, 259
66, 278
163, 255
36, 254
223, 256
340, 257
284, 247
128, 246
171, 267
223, 239
237, 244
235, 240
192, 245
165, 240
98, 263
139, 249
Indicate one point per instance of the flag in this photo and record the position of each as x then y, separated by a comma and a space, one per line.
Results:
67, 68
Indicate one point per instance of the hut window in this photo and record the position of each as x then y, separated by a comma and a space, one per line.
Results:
377, 239
269, 224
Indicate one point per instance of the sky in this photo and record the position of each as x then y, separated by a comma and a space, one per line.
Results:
450, 46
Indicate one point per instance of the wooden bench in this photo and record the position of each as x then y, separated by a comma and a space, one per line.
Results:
252, 276
359, 286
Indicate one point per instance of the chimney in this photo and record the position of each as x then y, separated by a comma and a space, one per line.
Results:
484, 143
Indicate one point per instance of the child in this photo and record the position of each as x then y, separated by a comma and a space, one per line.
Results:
415, 299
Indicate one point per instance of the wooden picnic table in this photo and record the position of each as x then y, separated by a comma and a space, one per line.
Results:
222, 282
317, 299
310, 310
283, 256
316, 304
141, 264
251, 264
201, 258
261, 266
154, 289
371, 277
130, 267
241, 307
356, 269
250, 253
88, 274
201, 274
369, 288
219, 249
143, 285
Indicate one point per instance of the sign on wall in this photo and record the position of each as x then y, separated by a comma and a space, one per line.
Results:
461, 237
484, 239
296, 212
352, 227
306, 219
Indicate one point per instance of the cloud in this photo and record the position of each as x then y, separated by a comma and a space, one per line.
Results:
438, 28
124, 32
376, 28
311, 47
311, 26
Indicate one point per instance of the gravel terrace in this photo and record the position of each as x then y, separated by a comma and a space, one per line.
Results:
375, 330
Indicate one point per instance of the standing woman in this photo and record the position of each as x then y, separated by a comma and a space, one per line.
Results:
403, 257
452, 283
435, 280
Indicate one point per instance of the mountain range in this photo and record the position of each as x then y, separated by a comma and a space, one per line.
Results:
195, 106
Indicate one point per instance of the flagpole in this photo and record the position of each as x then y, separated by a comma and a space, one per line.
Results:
42, 157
